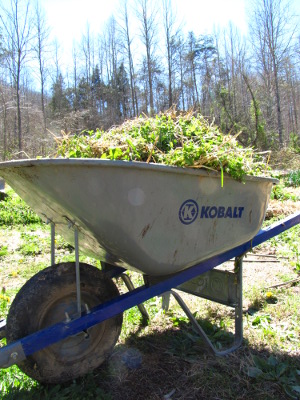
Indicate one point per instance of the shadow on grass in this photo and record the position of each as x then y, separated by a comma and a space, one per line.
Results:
173, 363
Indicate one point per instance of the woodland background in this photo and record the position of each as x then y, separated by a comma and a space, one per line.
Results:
249, 84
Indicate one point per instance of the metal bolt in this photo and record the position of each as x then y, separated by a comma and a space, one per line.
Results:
14, 355
68, 319
87, 308
71, 224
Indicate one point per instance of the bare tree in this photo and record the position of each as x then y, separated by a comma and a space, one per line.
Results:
85, 84
88, 53
16, 30
42, 53
56, 61
291, 97
170, 30
147, 18
272, 33
112, 59
181, 68
191, 57
124, 24
5, 105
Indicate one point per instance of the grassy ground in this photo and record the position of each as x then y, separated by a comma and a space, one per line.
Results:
171, 361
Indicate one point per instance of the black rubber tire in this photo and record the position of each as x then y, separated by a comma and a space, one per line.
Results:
43, 301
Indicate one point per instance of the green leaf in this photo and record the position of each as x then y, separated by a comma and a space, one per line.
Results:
296, 389
281, 369
272, 361
261, 319
261, 364
291, 392
254, 372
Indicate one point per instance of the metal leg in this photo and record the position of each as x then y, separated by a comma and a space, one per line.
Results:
193, 320
130, 287
52, 243
238, 270
78, 291
52, 224
71, 224
238, 337
165, 304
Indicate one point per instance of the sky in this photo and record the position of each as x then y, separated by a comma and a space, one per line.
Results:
68, 18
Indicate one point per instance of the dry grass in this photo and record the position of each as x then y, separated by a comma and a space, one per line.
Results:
285, 159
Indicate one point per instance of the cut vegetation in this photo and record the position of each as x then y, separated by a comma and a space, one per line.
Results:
183, 140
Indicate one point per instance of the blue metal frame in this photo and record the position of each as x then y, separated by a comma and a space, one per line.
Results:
28, 345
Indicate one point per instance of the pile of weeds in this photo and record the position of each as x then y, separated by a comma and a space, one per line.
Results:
183, 140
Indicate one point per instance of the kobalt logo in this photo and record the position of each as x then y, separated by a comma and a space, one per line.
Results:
189, 212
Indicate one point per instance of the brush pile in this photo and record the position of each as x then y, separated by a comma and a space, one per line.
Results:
182, 140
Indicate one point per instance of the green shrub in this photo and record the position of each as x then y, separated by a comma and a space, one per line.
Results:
14, 211
293, 179
279, 193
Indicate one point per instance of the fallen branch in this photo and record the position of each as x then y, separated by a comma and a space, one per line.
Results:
284, 284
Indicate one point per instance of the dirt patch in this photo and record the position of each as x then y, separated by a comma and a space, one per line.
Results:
279, 208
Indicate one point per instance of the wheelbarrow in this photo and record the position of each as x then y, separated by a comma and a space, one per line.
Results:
172, 225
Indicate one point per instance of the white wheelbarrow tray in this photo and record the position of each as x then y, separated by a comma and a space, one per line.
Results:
151, 218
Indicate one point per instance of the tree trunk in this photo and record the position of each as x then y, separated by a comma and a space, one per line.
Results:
278, 105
